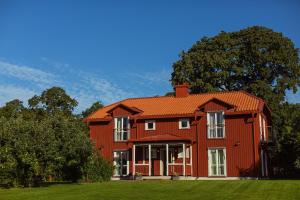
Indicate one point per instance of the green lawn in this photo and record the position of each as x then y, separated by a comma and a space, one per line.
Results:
217, 190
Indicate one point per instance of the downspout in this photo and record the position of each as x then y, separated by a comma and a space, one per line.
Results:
253, 142
197, 143
197, 140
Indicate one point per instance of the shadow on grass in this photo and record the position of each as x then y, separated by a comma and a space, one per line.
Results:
43, 184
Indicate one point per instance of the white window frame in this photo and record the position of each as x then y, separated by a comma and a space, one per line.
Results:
260, 127
215, 126
120, 172
146, 125
188, 124
120, 131
264, 129
217, 161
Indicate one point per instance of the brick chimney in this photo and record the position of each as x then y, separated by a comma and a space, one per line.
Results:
182, 90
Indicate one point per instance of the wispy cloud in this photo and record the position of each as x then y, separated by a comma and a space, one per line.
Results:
9, 92
91, 88
157, 77
23, 82
26, 73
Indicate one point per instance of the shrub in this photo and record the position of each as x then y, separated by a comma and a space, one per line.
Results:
98, 169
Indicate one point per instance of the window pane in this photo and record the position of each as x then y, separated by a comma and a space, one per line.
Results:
213, 157
119, 123
212, 132
125, 135
219, 118
184, 123
150, 125
125, 123
214, 170
221, 157
221, 169
220, 132
211, 119
124, 170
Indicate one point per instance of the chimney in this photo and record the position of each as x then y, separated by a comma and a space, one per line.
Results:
182, 90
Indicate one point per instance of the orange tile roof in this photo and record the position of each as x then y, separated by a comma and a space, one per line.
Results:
170, 105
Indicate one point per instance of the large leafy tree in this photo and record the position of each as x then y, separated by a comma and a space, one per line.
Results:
255, 59
260, 61
46, 141
52, 100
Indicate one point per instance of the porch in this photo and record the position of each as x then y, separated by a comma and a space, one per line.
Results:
162, 159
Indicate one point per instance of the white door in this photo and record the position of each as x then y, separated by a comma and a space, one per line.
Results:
217, 162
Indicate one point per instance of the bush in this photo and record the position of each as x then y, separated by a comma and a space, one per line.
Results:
98, 169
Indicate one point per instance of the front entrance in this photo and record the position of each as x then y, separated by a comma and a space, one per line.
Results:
163, 164
162, 159
158, 160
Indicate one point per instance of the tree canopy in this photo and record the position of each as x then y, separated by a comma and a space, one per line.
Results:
256, 59
95, 106
46, 141
53, 100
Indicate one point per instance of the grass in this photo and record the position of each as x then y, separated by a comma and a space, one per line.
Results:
183, 190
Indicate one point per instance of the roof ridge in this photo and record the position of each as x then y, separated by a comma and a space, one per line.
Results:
195, 94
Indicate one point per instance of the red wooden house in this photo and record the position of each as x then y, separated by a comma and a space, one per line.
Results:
221, 134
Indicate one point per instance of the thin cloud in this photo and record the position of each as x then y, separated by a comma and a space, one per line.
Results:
26, 73
85, 87
90, 88
10, 92
157, 77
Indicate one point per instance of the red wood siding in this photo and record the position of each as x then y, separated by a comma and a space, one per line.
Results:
242, 141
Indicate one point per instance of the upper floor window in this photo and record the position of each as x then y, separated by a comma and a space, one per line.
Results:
150, 125
122, 129
184, 124
215, 125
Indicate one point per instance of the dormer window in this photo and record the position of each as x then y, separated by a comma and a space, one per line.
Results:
184, 124
122, 128
150, 125
215, 125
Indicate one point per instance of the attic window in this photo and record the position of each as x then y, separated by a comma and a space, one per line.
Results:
150, 125
184, 124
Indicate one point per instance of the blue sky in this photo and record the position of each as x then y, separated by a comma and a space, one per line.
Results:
110, 50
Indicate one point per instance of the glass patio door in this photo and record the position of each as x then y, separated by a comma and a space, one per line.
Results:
121, 163
217, 162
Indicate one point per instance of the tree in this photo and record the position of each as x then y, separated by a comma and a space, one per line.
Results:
11, 108
256, 59
46, 140
260, 61
97, 105
53, 100
287, 157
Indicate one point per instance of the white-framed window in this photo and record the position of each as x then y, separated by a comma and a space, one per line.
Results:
215, 125
121, 163
184, 124
217, 162
122, 129
150, 125
262, 128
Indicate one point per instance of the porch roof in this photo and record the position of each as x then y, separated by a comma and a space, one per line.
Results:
162, 138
